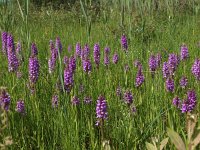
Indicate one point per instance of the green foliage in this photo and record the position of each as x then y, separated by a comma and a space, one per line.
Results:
150, 28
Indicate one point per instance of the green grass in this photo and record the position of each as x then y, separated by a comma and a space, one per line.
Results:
70, 127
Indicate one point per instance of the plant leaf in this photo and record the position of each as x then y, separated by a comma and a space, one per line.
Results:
150, 146
176, 139
192, 119
163, 143
196, 141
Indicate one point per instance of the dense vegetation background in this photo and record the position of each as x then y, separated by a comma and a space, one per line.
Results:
151, 27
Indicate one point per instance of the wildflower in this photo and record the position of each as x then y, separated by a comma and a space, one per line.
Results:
133, 110
107, 50
165, 70
128, 97
20, 107
72, 64
13, 62
184, 52
34, 50
137, 63
87, 100
97, 55
190, 103
173, 62
183, 82
75, 100
87, 66
115, 58
152, 64
176, 102
139, 78
124, 42
196, 69
68, 79
106, 60
65, 60
101, 110
33, 69
169, 85
4, 100
51, 64
85, 52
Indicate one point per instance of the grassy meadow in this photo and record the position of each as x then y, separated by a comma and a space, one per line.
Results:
149, 30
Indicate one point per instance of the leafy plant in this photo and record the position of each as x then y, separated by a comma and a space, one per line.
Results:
192, 139
155, 146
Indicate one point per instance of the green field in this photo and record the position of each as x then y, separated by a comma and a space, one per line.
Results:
150, 28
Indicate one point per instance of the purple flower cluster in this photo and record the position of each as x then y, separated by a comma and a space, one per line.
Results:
72, 64
85, 52
115, 58
53, 57
128, 97
184, 52
87, 66
65, 60
137, 63
190, 103
165, 70
68, 79
107, 50
4, 100
183, 82
133, 110
196, 69
106, 60
139, 77
124, 42
101, 110
34, 50
97, 55
13, 62
169, 85
173, 62
20, 107
75, 100
177, 102
33, 69
87, 100
152, 63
